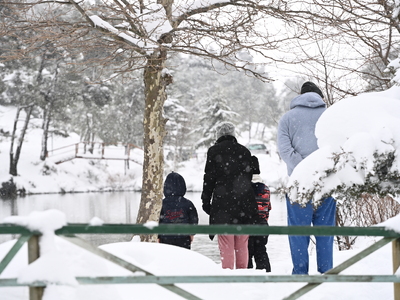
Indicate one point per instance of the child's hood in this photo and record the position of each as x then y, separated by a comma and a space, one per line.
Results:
174, 185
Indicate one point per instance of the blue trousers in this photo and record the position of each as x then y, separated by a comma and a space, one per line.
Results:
324, 215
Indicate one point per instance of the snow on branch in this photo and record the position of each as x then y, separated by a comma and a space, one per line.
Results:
107, 26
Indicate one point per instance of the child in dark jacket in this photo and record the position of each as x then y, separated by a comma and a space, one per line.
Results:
257, 243
176, 209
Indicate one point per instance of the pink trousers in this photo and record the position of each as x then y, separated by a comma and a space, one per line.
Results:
233, 249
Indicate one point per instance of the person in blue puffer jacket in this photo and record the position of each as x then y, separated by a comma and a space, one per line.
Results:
297, 140
176, 209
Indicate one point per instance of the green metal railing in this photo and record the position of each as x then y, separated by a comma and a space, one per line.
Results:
68, 232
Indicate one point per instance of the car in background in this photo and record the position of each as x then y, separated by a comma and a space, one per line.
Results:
257, 148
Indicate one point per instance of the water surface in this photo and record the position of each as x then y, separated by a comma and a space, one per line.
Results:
122, 208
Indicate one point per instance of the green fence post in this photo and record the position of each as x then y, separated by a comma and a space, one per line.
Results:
396, 264
35, 293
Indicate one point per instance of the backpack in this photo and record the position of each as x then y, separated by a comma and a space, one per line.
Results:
262, 194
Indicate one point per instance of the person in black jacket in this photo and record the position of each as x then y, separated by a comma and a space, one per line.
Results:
257, 243
177, 209
227, 194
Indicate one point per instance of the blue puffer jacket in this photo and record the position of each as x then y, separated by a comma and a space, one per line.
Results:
296, 129
176, 208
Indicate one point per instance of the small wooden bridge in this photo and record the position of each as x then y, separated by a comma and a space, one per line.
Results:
96, 150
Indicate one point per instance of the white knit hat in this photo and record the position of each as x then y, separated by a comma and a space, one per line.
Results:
257, 178
225, 128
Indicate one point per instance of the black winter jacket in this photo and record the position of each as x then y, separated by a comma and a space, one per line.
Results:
228, 196
176, 209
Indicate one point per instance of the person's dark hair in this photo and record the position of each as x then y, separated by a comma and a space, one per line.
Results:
255, 166
311, 87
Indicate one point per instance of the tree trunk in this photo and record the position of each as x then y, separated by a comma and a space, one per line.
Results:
48, 107
88, 137
154, 132
14, 157
46, 124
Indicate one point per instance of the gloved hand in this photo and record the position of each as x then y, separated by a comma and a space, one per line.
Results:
207, 208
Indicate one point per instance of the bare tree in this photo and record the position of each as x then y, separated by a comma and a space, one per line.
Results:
349, 44
141, 35
16, 152
49, 100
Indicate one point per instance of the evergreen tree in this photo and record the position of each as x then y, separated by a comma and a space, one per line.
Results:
394, 67
215, 110
196, 78
179, 147
121, 120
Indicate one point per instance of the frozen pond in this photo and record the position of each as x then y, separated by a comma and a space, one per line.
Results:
122, 207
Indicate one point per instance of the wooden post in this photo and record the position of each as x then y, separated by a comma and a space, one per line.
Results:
128, 151
35, 293
396, 264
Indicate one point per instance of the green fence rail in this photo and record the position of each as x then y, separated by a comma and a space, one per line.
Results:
207, 229
70, 231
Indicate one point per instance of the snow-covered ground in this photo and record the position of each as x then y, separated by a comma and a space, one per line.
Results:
78, 175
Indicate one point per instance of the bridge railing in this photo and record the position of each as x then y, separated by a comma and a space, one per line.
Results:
69, 233
97, 150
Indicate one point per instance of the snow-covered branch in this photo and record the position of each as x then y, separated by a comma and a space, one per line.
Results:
394, 66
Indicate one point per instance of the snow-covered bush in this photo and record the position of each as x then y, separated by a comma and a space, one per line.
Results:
394, 66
